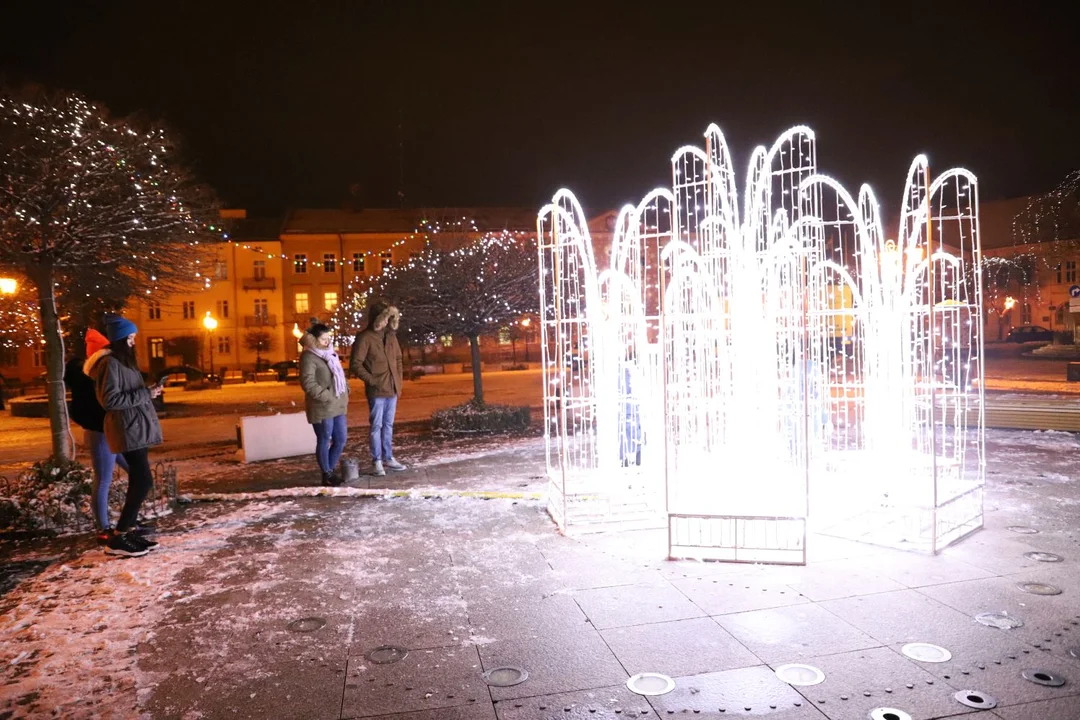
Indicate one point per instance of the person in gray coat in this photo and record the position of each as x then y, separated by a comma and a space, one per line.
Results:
326, 399
131, 427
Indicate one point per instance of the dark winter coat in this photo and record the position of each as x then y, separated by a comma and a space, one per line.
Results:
131, 423
84, 409
376, 355
320, 403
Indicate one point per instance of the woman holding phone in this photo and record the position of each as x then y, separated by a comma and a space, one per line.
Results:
131, 427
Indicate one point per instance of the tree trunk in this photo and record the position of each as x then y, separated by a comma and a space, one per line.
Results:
477, 381
54, 363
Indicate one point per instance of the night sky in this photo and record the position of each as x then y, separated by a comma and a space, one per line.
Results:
311, 104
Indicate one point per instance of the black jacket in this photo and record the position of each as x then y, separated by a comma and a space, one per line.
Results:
84, 409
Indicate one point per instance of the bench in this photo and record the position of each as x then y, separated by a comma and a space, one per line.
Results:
269, 437
265, 376
1030, 414
233, 377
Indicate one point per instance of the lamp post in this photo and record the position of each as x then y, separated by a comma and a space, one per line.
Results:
211, 325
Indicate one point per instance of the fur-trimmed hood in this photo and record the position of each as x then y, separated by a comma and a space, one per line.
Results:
93, 360
383, 311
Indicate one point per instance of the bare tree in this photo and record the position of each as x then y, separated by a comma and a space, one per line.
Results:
1053, 218
94, 201
258, 341
473, 289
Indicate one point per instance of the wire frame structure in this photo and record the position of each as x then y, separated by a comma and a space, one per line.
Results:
748, 358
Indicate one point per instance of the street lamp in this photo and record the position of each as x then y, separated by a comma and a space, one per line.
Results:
211, 325
8, 286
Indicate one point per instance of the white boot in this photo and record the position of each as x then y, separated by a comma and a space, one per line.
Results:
377, 469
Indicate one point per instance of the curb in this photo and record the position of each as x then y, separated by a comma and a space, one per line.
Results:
346, 492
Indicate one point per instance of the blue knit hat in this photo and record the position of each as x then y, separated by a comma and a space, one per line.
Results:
118, 327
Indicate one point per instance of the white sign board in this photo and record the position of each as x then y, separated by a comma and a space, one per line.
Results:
1074, 305
269, 437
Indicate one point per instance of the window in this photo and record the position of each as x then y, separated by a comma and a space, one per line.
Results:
447, 340
1025, 314
504, 336
9, 357
262, 309
39, 356
299, 264
153, 310
387, 259
157, 347
223, 309
358, 262
221, 270
330, 300
224, 345
301, 304
260, 269
189, 309
1057, 269
329, 262
1070, 271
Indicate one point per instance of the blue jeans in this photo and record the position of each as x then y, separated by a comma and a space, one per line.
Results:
330, 438
104, 462
381, 417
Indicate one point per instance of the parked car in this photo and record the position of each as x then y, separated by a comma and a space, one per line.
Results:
282, 368
1030, 333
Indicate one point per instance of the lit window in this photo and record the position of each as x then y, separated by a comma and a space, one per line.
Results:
301, 303
358, 262
387, 258
329, 262
504, 336
157, 347
299, 264
189, 309
330, 300
447, 340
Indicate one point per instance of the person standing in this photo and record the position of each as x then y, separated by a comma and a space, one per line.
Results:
326, 399
131, 427
87, 413
376, 359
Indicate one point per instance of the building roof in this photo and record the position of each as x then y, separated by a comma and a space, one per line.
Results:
265, 229
382, 220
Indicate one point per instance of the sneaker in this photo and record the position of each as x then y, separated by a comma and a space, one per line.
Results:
145, 541
394, 465
104, 536
125, 546
377, 469
332, 480
143, 530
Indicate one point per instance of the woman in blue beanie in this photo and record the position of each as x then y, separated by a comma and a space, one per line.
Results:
131, 427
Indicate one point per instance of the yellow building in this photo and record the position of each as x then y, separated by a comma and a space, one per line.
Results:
243, 296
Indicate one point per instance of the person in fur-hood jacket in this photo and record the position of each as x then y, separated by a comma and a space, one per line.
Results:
87, 413
131, 426
376, 359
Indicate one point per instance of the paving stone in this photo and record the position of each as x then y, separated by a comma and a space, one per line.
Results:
505, 617
720, 595
1064, 707
915, 570
1000, 552
746, 691
578, 566
626, 605
791, 633
682, 647
838, 579
900, 617
555, 663
609, 702
425, 680
425, 621
825, 548
857, 682
477, 711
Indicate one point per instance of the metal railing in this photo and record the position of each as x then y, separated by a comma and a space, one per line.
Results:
260, 320
259, 283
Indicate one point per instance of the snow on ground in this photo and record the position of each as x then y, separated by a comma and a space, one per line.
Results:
68, 636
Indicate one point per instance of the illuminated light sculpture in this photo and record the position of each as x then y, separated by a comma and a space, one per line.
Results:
745, 359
